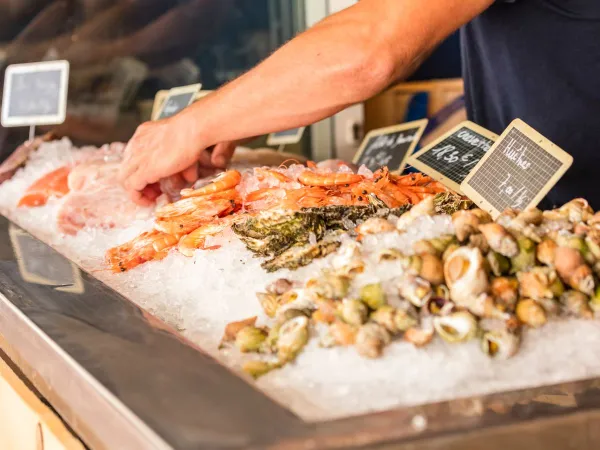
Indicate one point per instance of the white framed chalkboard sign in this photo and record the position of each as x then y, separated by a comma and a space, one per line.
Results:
454, 155
178, 99
35, 94
390, 146
517, 172
287, 137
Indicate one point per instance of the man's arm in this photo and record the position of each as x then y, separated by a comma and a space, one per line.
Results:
345, 59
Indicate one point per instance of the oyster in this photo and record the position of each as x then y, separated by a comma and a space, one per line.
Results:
297, 257
449, 203
459, 326
271, 234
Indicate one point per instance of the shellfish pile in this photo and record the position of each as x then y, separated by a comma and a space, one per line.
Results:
484, 279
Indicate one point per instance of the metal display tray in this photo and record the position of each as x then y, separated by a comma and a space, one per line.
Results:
122, 379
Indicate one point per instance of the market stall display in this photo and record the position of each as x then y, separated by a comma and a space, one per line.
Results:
384, 251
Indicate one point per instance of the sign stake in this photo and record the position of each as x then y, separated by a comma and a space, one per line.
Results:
31, 133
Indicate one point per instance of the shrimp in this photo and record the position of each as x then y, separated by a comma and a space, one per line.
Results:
148, 246
225, 181
412, 179
310, 178
54, 184
264, 198
189, 221
263, 173
191, 204
196, 239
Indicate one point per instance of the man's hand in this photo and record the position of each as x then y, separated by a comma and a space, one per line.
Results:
346, 59
165, 148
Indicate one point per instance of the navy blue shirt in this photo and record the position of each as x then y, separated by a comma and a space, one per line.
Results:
539, 60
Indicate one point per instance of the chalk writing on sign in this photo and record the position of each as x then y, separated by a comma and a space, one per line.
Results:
450, 158
390, 146
517, 172
35, 94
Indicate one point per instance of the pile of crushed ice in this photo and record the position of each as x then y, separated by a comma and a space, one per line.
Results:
200, 295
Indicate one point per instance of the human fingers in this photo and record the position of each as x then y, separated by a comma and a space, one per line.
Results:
191, 173
205, 157
205, 172
222, 154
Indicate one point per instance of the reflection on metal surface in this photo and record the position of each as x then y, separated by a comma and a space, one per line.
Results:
567, 401
40, 264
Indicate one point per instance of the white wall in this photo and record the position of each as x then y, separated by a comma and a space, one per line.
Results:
334, 138
343, 123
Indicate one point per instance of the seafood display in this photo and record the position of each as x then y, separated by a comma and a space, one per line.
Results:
275, 211
482, 280
488, 320
90, 193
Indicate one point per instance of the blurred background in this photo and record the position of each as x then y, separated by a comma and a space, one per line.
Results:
122, 52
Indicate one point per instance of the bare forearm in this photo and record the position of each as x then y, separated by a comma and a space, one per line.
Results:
345, 59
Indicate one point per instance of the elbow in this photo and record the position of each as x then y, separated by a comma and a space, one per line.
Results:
378, 62
373, 72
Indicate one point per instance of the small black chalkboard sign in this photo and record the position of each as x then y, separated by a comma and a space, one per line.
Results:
286, 137
390, 146
517, 172
35, 94
177, 100
452, 157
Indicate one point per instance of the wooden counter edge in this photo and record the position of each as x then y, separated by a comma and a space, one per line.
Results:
46, 417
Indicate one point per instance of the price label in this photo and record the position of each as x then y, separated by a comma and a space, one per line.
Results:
454, 155
35, 94
390, 146
177, 99
517, 172
287, 137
